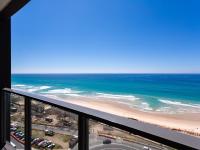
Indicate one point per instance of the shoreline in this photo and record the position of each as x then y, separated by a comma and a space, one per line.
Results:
186, 122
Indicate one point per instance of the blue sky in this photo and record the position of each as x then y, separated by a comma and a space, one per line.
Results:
107, 36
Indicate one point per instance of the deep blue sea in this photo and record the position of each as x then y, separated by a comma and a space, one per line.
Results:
170, 93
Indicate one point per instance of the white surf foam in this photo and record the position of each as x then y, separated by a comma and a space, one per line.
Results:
145, 106
62, 91
116, 96
44, 87
176, 103
130, 100
30, 88
19, 85
39, 88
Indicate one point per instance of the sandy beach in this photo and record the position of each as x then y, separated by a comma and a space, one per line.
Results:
186, 122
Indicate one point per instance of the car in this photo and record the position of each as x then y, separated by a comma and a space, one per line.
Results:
21, 136
49, 132
13, 129
12, 144
13, 125
51, 146
38, 141
17, 132
45, 144
73, 141
18, 135
48, 143
34, 141
41, 143
107, 141
146, 148
48, 119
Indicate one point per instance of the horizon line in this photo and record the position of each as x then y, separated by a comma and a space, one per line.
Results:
113, 73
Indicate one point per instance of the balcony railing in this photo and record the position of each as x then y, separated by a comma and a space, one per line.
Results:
155, 136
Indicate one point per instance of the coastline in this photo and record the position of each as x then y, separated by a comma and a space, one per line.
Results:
185, 122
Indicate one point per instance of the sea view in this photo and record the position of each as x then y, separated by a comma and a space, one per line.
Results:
167, 93
99, 75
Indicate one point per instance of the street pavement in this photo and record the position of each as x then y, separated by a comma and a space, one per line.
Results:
19, 146
95, 141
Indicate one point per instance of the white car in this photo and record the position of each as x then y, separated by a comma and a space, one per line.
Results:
12, 144
146, 148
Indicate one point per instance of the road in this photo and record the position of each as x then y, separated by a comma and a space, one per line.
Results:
96, 144
112, 147
95, 141
19, 146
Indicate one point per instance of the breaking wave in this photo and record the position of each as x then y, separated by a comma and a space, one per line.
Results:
116, 96
30, 88
62, 91
177, 103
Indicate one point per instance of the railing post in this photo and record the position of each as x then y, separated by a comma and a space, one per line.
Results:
83, 133
5, 116
7, 97
28, 128
5, 67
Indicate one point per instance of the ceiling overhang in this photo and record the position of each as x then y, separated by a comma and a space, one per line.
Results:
3, 4
10, 7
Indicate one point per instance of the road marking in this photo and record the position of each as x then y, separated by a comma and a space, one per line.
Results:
114, 144
112, 148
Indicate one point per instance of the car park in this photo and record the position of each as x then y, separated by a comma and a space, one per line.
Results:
37, 142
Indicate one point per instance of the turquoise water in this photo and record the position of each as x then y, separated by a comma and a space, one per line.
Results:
149, 92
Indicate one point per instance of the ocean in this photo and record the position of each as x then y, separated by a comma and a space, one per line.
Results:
167, 93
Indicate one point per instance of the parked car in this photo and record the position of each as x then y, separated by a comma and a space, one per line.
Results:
41, 143
45, 144
38, 141
17, 132
73, 141
107, 141
146, 148
48, 143
13, 129
13, 145
34, 141
48, 119
21, 136
49, 132
51, 146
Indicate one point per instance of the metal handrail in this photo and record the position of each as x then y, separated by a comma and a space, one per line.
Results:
153, 132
